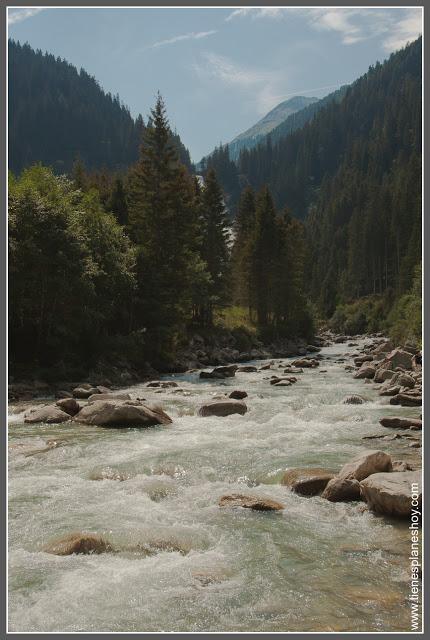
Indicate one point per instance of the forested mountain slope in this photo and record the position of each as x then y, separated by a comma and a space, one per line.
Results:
354, 173
57, 114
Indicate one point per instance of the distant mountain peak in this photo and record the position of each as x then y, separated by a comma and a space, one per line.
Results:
270, 121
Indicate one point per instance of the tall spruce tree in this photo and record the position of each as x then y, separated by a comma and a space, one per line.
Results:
163, 222
240, 258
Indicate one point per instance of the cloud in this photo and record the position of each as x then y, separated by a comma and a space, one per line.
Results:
18, 15
262, 85
257, 12
394, 26
186, 36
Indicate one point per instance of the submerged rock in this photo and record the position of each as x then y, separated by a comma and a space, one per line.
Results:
250, 502
365, 464
223, 408
354, 400
342, 490
391, 493
109, 413
49, 414
84, 543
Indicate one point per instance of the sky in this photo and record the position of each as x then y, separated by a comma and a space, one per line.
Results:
219, 70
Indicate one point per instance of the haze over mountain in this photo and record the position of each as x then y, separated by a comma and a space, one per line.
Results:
270, 121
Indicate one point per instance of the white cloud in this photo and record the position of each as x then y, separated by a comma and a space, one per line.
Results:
18, 15
263, 85
394, 26
257, 12
186, 36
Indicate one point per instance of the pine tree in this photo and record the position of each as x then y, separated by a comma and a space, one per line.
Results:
163, 222
240, 259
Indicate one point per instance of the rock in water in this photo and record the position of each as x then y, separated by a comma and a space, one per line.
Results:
391, 493
220, 372
365, 371
406, 400
248, 369
398, 358
49, 414
84, 392
69, 405
342, 490
250, 502
354, 400
223, 408
401, 423
365, 464
238, 395
307, 482
78, 543
108, 413
109, 396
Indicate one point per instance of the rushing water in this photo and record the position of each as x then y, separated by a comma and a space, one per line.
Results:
315, 566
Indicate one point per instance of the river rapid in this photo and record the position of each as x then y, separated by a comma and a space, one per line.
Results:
315, 566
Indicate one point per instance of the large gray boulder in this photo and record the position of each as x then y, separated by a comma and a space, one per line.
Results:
223, 408
111, 413
391, 493
96, 397
84, 392
48, 413
365, 464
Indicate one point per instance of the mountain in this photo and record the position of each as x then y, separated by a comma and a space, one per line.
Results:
57, 113
354, 173
271, 120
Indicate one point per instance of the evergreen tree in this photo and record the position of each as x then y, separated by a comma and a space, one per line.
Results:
163, 222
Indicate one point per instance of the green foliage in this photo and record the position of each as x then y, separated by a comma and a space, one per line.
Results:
361, 316
70, 269
405, 319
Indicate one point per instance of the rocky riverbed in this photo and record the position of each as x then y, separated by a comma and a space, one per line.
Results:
253, 503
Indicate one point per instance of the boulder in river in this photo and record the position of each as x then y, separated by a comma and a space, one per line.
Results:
401, 465
162, 384
84, 392
49, 414
381, 375
399, 358
228, 371
365, 464
406, 400
365, 371
238, 395
84, 543
250, 502
342, 490
248, 368
391, 493
223, 408
111, 413
69, 405
401, 422
354, 400
307, 481
304, 363
360, 360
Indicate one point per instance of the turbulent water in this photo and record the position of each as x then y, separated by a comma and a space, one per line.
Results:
315, 566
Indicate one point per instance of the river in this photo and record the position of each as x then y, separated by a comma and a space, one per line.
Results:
316, 566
